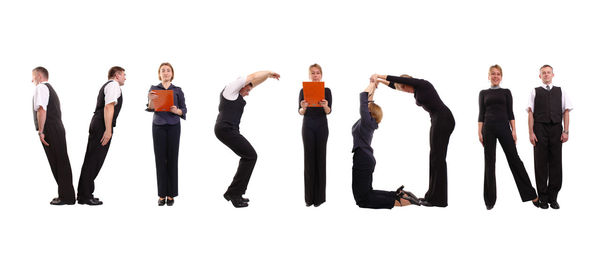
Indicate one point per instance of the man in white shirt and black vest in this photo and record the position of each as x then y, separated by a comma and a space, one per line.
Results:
549, 109
107, 110
48, 123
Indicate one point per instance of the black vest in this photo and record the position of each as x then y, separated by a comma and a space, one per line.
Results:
53, 114
547, 105
99, 111
231, 111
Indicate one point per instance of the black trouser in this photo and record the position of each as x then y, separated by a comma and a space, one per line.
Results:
548, 160
442, 125
362, 183
59, 161
314, 136
166, 155
501, 131
95, 154
231, 137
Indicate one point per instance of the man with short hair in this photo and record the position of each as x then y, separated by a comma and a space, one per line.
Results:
549, 109
48, 123
105, 116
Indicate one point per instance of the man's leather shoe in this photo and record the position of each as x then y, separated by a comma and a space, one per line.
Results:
91, 201
489, 207
425, 203
540, 204
243, 198
554, 205
237, 201
58, 201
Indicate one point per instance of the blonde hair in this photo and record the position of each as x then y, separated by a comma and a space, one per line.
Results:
495, 67
376, 112
172, 71
315, 66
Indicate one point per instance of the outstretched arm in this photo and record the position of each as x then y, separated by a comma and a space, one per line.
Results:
260, 76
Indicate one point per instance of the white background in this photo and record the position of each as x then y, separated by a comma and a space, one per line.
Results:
450, 43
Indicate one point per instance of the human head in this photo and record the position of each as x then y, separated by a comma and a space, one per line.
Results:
38, 75
495, 75
376, 112
246, 89
546, 74
315, 73
166, 72
404, 87
118, 74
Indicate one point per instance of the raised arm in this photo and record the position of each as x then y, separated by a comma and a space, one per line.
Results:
365, 97
260, 76
416, 83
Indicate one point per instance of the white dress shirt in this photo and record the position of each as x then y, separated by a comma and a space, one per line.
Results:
566, 101
41, 96
112, 92
232, 90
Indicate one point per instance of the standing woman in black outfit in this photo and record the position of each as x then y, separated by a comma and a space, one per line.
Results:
363, 161
442, 125
166, 131
497, 121
314, 136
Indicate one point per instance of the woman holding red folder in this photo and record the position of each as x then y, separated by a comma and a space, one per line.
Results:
166, 131
314, 135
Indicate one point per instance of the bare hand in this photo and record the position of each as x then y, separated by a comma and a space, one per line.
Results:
174, 110
480, 138
514, 135
106, 137
323, 103
274, 75
564, 137
533, 139
303, 104
373, 78
152, 95
42, 138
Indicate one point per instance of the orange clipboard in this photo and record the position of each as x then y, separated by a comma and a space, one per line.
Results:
164, 100
313, 92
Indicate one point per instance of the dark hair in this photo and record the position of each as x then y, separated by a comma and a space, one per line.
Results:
547, 66
172, 71
41, 70
113, 71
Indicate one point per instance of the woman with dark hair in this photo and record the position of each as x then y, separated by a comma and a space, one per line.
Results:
314, 136
497, 121
166, 131
364, 161
442, 125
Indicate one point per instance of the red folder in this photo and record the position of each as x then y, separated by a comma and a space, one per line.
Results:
313, 92
164, 100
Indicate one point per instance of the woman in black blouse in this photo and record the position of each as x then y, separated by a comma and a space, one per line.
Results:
314, 135
497, 121
166, 131
442, 125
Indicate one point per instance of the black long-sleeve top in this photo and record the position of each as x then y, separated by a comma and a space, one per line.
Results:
315, 112
495, 105
362, 130
425, 94
167, 117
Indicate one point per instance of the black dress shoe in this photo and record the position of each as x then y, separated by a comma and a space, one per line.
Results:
554, 205
403, 195
401, 189
489, 207
317, 205
161, 202
170, 202
58, 201
309, 204
237, 201
90, 201
425, 203
540, 204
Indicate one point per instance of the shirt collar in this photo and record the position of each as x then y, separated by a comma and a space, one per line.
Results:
495, 87
544, 86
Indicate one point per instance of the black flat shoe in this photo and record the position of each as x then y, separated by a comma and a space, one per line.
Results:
425, 203
489, 207
242, 198
91, 202
237, 201
540, 204
554, 205
57, 201
170, 202
161, 202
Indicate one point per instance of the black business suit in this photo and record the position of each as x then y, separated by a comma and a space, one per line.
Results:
315, 132
496, 112
363, 162
442, 126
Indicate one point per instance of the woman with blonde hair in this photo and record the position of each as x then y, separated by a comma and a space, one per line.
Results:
166, 131
497, 121
314, 136
364, 160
